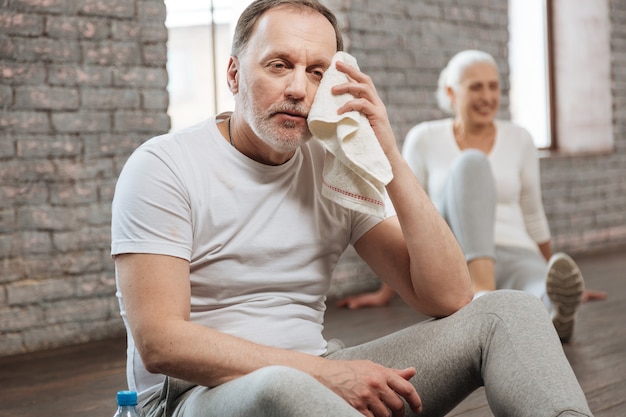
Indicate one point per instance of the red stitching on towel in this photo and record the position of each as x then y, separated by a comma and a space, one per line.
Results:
352, 195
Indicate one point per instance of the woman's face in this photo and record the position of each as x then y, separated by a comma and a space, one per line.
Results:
477, 98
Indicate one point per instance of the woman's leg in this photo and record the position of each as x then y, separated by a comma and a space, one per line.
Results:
521, 269
482, 272
558, 283
503, 340
469, 208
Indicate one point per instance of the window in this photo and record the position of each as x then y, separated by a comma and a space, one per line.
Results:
528, 61
560, 73
200, 35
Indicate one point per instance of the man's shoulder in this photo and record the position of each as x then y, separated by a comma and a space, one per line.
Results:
176, 141
200, 129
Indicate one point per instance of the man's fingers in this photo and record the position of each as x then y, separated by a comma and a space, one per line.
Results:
352, 72
394, 404
406, 390
406, 373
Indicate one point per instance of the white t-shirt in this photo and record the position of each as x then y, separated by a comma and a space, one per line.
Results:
430, 149
261, 240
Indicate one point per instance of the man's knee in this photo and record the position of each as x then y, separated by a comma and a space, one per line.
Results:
277, 384
505, 302
278, 375
512, 297
273, 391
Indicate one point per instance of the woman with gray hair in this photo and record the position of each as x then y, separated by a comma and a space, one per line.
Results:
482, 174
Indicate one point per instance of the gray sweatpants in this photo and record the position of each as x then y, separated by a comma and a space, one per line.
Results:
469, 208
503, 340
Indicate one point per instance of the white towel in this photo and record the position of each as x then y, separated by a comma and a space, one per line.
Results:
356, 169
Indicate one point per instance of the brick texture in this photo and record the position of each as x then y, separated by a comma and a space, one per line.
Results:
82, 83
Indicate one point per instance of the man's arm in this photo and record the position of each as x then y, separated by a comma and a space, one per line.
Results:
415, 252
156, 294
421, 264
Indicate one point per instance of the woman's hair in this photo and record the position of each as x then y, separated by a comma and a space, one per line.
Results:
451, 75
252, 13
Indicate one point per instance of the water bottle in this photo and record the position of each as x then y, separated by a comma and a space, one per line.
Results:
126, 404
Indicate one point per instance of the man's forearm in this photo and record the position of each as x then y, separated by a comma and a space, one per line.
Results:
207, 357
438, 267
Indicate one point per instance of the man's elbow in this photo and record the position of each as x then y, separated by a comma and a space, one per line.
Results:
152, 358
452, 303
155, 355
461, 301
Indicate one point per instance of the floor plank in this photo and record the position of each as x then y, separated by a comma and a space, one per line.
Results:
73, 381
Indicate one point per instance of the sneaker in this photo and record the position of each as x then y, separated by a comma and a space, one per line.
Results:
565, 286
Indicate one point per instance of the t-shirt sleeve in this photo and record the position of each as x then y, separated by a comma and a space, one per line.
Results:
151, 210
362, 222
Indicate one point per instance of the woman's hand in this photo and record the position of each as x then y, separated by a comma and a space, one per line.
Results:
380, 298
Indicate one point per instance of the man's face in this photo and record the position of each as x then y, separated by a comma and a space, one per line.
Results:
276, 77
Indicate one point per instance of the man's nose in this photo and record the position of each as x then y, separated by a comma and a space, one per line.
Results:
297, 85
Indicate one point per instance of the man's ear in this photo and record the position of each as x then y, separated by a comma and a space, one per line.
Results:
233, 75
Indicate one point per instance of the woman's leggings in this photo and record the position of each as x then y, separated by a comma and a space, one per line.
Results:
503, 341
469, 204
469, 208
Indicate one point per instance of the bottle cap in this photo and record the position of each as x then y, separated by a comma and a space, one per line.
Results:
126, 398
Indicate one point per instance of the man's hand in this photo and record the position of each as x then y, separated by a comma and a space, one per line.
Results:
368, 103
372, 389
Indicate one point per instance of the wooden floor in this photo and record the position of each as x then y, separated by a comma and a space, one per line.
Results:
82, 380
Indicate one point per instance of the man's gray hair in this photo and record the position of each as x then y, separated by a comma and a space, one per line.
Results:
250, 16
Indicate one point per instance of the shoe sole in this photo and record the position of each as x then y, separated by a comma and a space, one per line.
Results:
565, 287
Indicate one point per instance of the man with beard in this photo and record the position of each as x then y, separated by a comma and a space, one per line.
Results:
224, 249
